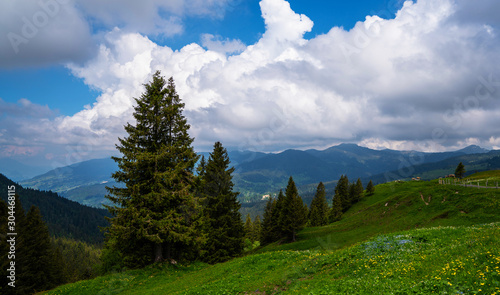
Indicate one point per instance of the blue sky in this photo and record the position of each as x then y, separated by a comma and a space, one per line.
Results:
54, 86
259, 75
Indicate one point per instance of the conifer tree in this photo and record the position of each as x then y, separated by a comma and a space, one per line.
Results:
318, 215
342, 192
358, 190
223, 220
370, 188
293, 216
153, 213
248, 227
460, 170
277, 227
256, 228
355, 192
41, 268
336, 211
267, 229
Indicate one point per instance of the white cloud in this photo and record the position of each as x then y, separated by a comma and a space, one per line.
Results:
215, 43
423, 81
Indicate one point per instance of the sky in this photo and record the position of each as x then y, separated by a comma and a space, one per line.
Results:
256, 75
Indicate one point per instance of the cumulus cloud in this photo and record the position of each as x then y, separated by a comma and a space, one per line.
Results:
425, 80
47, 32
216, 43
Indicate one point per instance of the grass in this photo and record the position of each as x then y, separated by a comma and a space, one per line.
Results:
486, 178
390, 243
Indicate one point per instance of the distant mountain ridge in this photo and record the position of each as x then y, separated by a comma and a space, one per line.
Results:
17, 171
255, 173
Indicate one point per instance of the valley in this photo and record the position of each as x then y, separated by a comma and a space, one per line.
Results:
392, 241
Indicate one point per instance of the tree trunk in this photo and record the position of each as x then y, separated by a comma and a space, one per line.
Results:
158, 248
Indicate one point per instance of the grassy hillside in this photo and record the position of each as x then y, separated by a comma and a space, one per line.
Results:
412, 237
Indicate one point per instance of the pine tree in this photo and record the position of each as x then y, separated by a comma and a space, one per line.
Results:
248, 227
342, 192
256, 228
293, 216
154, 211
41, 267
267, 229
223, 219
318, 215
336, 211
460, 171
370, 188
277, 231
356, 192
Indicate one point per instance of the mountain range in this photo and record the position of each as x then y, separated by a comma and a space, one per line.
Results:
257, 174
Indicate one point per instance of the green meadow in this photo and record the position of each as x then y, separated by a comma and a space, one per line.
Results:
416, 237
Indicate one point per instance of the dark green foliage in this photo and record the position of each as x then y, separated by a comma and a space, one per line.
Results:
318, 215
293, 215
63, 217
277, 213
370, 188
154, 214
39, 266
41, 270
335, 213
223, 225
356, 192
81, 260
252, 228
248, 227
267, 229
256, 228
460, 171
342, 192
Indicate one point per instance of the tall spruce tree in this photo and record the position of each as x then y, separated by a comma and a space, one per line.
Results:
370, 188
277, 227
41, 267
293, 216
358, 190
223, 219
336, 211
153, 212
256, 228
267, 229
248, 227
342, 192
355, 192
318, 215
460, 170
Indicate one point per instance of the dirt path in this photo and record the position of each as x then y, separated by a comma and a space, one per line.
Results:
423, 200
